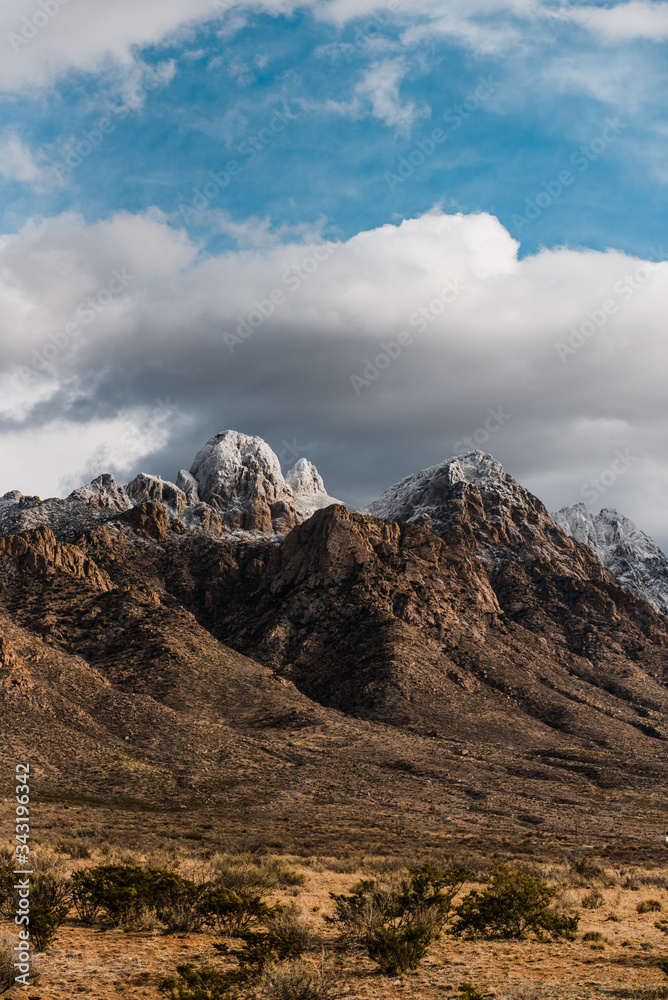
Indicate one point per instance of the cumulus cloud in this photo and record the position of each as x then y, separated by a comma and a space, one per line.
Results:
374, 356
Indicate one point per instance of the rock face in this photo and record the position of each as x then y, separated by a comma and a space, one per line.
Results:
184, 617
235, 483
635, 561
240, 476
99, 501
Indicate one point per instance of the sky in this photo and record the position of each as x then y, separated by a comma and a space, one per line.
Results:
374, 234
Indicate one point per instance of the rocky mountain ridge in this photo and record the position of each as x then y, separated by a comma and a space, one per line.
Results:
166, 635
235, 485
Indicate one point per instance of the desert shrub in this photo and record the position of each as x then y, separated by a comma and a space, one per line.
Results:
398, 924
232, 914
298, 981
467, 991
593, 936
649, 906
49, 891
287, 922
76, 848
49, 895
586, 869
593, 900
7, 880
196, 984
131, 896
398, 949
262, 949
661, 925
44, 924
285, 876
513, 905
663, 965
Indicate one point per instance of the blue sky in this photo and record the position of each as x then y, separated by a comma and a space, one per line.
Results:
198, 98
206, 147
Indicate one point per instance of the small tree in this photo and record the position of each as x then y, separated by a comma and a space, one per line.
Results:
513, 905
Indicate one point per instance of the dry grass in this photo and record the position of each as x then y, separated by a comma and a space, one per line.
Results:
614, 956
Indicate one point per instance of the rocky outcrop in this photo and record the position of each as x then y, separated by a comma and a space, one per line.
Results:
39, 553
100, 501
240, 477
144, 489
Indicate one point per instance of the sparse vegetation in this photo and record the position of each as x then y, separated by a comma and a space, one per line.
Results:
231, 914
298, 981
593, 900
191, 983
649, 906
513, 905
248, 873
397, 925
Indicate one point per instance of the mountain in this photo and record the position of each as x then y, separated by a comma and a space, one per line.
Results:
636, 562
235, 484
239, 642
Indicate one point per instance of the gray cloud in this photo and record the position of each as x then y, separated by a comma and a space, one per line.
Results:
567, 347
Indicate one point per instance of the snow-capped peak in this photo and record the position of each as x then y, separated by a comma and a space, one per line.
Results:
430, 491
241, 477
633, 558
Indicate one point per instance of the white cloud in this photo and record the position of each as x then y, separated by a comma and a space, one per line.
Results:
380, 85
18, 162
493, 344
644, 19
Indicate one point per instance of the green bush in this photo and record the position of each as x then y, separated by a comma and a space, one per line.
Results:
44, 924
398, 949
232, 914
128, 893
513, 905
468, 992
397, 925
263, 948
197, 984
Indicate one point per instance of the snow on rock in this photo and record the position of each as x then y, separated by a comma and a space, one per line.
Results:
235, 483
240, 476
636, 562
144, 488
103, 492
308, 488
437, 493
188, 484
99, 501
